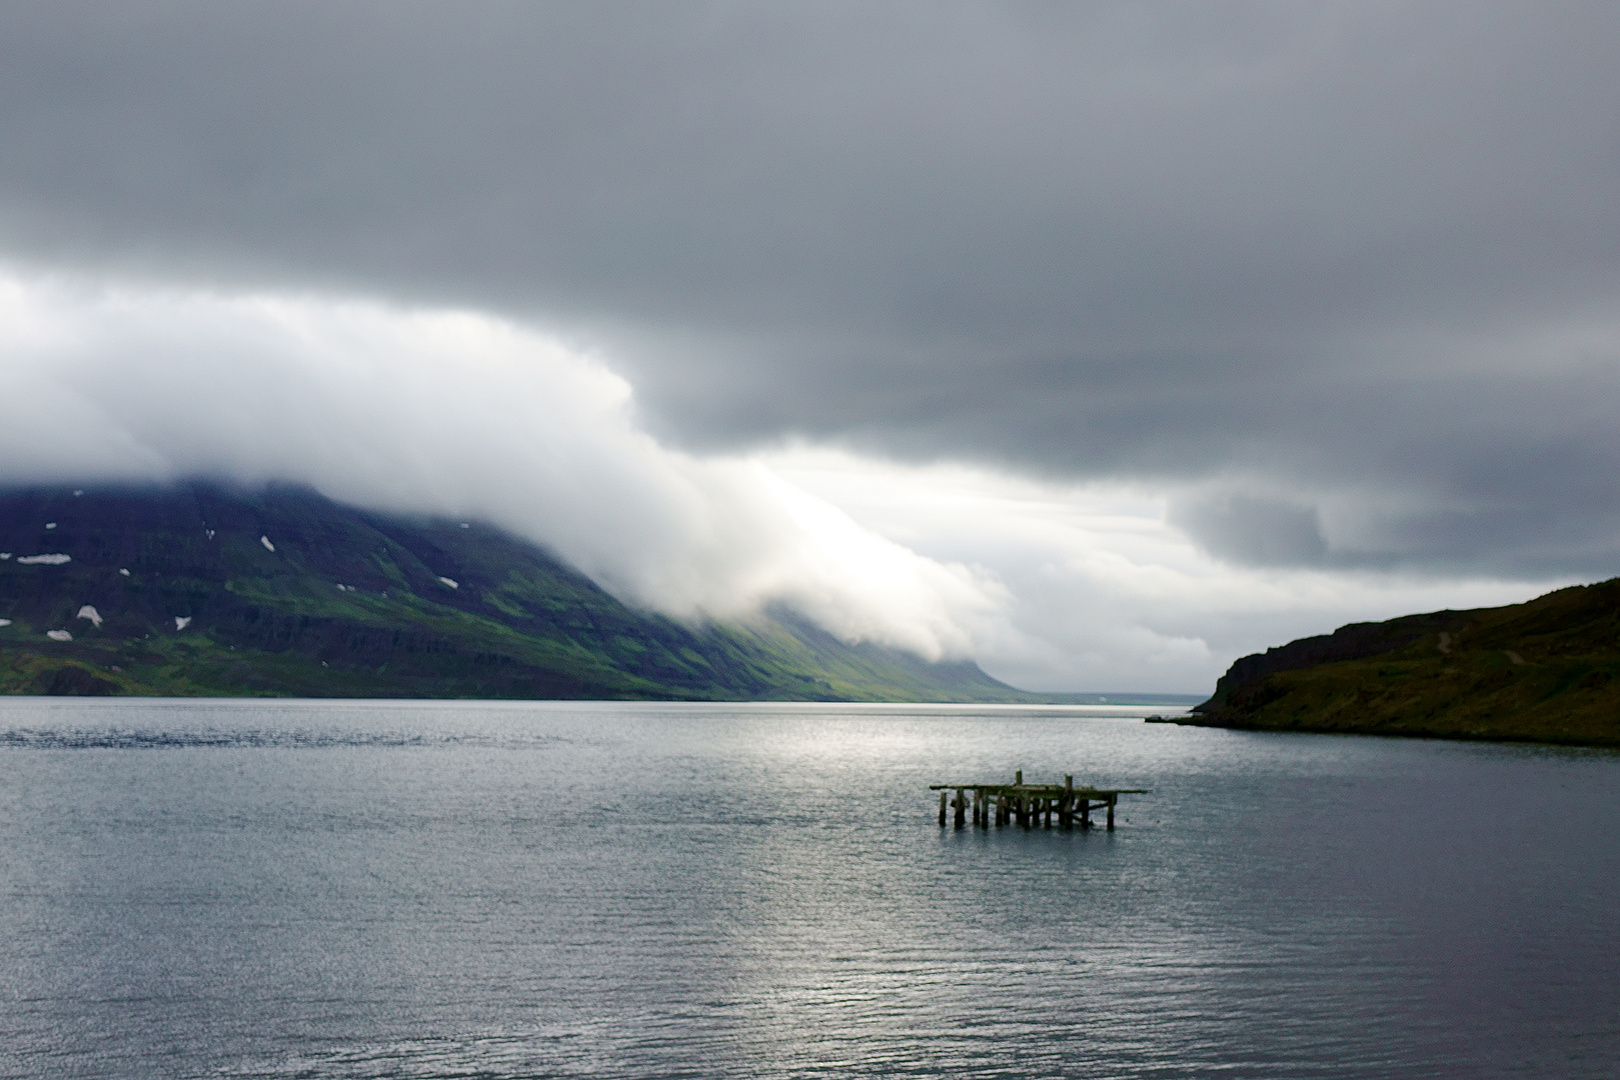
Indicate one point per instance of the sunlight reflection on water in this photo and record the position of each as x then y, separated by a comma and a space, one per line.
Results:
323, 889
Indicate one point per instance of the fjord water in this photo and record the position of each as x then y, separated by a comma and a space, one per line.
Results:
324, 889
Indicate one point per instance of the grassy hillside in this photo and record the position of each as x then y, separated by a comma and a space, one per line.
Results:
1546, 671
200, 589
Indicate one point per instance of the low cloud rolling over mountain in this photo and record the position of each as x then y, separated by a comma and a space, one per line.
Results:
1103, 342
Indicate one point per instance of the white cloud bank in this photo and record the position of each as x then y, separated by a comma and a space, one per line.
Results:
448, 412
1103, 591
461, 414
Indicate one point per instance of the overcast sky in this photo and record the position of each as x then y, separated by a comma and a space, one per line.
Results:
1103, 342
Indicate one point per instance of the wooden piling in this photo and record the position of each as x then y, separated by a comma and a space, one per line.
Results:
942, 798
961, 810
1112, 799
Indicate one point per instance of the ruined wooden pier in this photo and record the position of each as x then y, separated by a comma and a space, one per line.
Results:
1028, 804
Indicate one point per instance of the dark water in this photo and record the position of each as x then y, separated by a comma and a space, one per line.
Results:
371, 890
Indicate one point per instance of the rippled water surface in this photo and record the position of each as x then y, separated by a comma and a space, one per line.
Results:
470, 890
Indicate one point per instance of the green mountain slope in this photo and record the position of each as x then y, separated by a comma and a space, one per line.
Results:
1545, 671
200, 589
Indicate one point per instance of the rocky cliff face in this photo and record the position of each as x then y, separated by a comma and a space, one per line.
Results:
1547, 670
1355, 641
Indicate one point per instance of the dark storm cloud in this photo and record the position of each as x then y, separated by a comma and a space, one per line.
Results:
1347, 265
1248, 529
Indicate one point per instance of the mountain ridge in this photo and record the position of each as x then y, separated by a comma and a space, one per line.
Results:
204, 588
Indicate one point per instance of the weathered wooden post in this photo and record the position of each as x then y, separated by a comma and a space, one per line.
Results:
1085, 812
961, 810
1112, 799
942, 798
1018, 777
1066, 807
